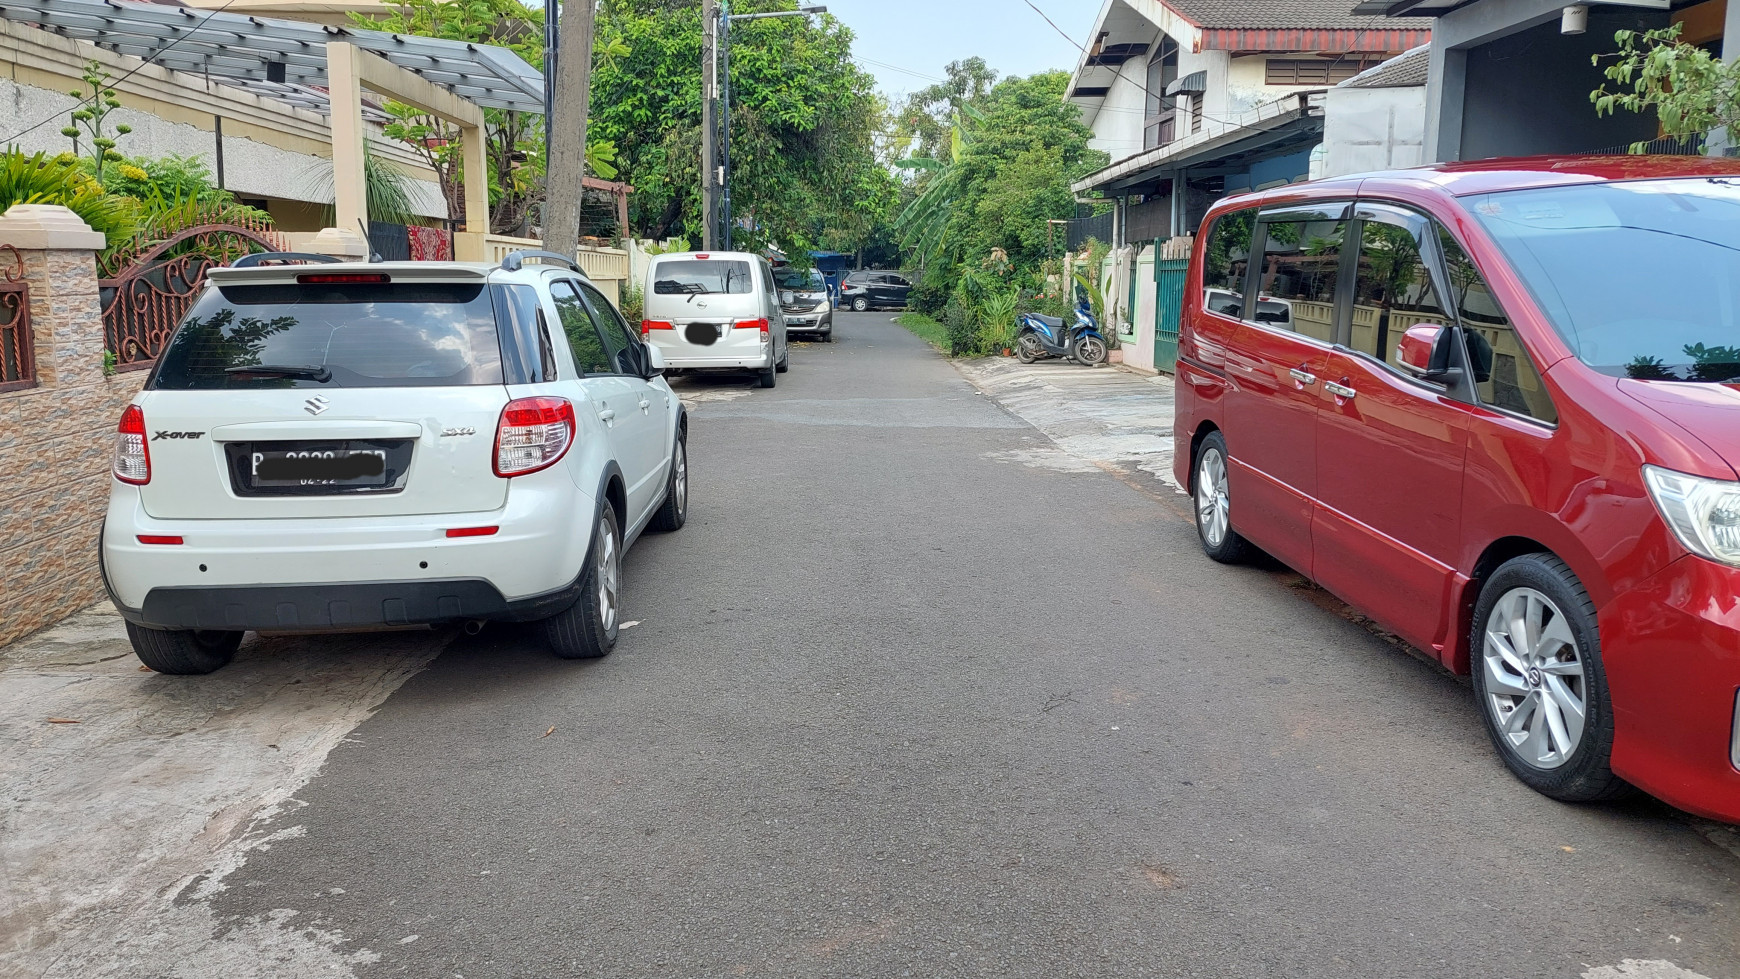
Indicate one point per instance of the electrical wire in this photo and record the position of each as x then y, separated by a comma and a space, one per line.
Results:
99, 90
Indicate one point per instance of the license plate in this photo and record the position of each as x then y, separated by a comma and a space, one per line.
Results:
798, 321
320, 467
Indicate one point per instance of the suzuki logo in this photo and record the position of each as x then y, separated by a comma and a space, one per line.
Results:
316, 405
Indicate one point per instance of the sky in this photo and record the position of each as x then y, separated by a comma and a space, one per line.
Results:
906, 43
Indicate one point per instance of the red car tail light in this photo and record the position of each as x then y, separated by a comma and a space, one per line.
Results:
647, 326
132, 456
473, 531
344, 278
760, 324
533, 434
159, 539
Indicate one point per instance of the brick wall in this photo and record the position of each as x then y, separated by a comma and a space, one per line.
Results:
56, 438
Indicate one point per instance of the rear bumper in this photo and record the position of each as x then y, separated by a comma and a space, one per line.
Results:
347, 606
761, 362
1671, 648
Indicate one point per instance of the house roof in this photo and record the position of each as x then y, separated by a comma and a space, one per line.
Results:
1406, 70
237, 47
1272, 14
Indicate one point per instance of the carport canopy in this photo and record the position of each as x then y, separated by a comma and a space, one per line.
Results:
256, 52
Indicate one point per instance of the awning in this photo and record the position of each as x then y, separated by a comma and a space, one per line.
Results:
243, 49
1266, 131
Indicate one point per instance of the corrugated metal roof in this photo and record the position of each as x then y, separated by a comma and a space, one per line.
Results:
1405, 70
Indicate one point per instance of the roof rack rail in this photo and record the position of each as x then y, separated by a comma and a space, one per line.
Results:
261, 258
516, 260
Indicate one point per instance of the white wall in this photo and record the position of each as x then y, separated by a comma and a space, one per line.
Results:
1118, 126
1214, 100
1373, 129
1246, 84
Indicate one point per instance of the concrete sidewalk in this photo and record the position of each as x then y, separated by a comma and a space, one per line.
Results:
1105, 418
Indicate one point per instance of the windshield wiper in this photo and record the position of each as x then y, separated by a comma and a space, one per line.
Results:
307, 372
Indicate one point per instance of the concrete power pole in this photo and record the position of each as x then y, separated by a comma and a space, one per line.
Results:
709, 120
566, 130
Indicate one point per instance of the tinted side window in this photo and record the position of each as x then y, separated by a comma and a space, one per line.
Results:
621, 343
1296, 291
528, 357
1392, 289
589, 353
1224, 260
1504, 375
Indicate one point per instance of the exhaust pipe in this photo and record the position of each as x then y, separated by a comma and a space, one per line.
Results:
473, 626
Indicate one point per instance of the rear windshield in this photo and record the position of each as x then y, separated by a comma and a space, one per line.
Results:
800, 281
288, 335
1641, 277
701, 278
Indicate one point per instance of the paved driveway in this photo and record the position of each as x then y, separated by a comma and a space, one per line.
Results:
911, 695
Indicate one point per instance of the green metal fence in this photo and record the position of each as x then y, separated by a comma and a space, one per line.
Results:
1168, 303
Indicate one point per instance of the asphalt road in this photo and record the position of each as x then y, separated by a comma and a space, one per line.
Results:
898, 706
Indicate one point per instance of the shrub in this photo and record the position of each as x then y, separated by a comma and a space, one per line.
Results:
42, 179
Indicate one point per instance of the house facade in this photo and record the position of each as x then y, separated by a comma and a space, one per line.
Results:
1197, 99
1483, 53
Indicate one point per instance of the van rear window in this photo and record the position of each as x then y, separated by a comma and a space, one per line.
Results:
359, 335
702, 278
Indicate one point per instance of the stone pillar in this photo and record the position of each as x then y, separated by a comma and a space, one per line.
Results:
56, 439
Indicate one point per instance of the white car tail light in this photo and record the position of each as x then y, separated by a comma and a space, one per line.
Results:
534, 434
647, 326
132, 457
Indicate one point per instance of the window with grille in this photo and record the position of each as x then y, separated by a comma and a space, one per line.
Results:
1314, 71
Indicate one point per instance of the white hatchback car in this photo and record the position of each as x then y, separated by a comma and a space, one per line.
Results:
347, 447
713, 310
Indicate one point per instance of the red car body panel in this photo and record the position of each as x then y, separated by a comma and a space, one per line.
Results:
1416, 497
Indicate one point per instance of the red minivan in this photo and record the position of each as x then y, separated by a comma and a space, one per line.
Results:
1496, 407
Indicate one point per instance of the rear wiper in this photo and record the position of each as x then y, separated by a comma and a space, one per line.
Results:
308, 372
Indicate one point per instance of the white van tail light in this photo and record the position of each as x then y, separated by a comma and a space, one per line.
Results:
132, 457
534, 434
647, 326
760, 324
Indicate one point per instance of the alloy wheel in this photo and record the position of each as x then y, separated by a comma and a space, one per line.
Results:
609, 565
1212, 503
681, 488
1534, 680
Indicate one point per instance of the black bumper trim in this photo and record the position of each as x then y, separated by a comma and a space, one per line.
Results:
339, 606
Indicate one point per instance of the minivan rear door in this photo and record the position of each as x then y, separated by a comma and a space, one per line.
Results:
373, 395
1275, 363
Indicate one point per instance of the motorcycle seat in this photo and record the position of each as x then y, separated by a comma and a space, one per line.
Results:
1052, 321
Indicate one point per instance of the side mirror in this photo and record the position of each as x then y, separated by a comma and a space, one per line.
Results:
1427, 352
655, 361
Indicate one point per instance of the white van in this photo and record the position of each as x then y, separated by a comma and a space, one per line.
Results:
715, 310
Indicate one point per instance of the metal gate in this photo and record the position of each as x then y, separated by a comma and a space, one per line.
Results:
1168, 303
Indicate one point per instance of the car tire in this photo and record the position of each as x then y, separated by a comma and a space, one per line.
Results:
1557, 675
828, 335
588, 628
675, 511
768, 376
860, 305
1212, 505
183, 652
784, 361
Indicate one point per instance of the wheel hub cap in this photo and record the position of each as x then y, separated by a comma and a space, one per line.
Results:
1533, 676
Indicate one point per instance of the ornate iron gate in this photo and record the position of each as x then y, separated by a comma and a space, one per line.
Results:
17, 343
150, 288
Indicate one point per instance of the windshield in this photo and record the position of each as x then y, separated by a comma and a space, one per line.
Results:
798, 280
351, 335
696, 277
1641, 278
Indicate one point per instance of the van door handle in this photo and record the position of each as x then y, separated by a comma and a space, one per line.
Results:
644, 405
1339, 390
607, 415
1303, 377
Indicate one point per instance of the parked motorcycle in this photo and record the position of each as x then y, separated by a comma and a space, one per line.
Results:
1040, 336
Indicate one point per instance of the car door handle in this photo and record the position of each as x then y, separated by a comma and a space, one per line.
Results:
644, 405
1303, 377
1339, 390
607, 414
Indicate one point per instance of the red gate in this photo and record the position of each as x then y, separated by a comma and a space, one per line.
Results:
150, 287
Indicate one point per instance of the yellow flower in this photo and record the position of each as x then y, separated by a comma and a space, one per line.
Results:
132, 172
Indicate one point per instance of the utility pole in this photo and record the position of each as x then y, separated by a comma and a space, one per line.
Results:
717, 160
552, 31
565, 137
709, 121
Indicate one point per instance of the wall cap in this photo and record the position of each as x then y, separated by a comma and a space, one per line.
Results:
340, 243
48, 226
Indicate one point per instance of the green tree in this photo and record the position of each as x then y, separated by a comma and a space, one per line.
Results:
1690, 90
804, 119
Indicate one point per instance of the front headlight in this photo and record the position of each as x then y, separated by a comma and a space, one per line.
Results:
1704, 513
821, 307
